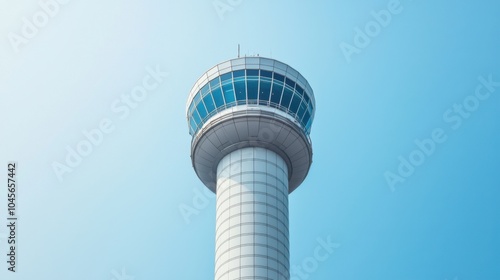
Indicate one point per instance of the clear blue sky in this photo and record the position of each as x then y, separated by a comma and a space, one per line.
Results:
415, 76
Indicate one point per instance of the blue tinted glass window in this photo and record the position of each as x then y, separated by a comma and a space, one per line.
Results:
228, 93
214, 83
239, 73
201, 110
252, 72
299, 90
209, 103
204, 90
226, 77
239, 87
302, 110
295, 103
267, 74
197, 98
279, 77
252, 88
310, 107
219, 100
192, 125
306, 118
276, 92
196, 117
306, 98
287, 96
191, 108
290, 83
265, 89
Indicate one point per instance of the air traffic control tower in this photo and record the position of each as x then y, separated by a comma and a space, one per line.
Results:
250, 120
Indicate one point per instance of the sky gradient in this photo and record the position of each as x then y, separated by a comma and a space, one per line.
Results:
405, 88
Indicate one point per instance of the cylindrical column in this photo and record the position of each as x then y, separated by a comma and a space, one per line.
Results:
252, 216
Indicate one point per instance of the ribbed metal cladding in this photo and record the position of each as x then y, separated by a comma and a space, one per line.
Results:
252, 216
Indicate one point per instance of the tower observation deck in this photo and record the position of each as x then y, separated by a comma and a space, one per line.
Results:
250, 120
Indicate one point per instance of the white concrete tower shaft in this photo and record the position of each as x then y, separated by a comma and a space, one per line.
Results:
252, 216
